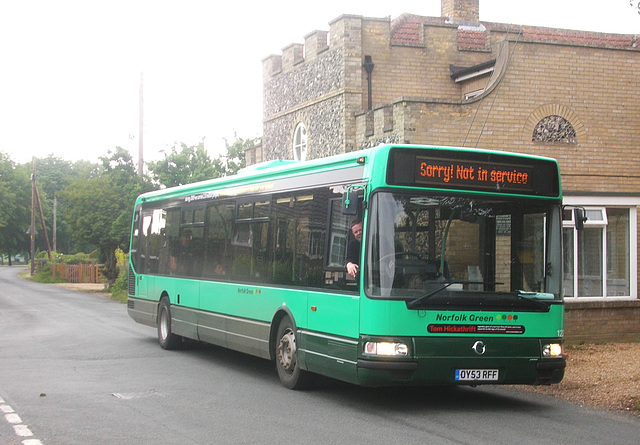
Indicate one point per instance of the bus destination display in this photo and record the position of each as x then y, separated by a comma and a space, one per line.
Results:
466, 174
473, 171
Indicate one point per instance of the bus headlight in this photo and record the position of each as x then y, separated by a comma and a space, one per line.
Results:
387, 349
552, 350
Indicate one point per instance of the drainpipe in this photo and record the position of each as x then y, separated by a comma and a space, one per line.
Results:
368, 66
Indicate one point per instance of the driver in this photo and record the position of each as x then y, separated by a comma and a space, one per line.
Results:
353, 249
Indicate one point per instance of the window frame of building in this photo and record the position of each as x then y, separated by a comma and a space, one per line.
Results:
300, 142
600, 207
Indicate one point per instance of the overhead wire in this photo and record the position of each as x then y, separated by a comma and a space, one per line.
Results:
495, 96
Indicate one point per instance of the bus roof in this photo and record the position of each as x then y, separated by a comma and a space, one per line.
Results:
278, 169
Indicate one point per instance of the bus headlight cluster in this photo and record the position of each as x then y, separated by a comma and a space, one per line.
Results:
387, 349
552, 350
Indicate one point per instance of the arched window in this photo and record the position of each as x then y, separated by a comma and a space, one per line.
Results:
300, 143
554, 129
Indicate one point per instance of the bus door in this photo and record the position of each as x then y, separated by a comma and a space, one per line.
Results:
142, 253
334, 312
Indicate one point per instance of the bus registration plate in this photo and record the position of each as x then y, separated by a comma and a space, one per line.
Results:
476, 374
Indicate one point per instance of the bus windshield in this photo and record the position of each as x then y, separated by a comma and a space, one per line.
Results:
480, 252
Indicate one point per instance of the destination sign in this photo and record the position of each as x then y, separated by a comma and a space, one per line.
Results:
471, 170
465, 174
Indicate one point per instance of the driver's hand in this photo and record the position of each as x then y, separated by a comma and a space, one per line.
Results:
352, 269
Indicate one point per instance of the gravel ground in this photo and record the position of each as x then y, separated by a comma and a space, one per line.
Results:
600, 376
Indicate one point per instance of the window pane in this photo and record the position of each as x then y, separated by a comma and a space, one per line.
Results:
300, 143
261, 209
531, 252
217, 249
156, 239
590, 279
338, 249
144, 248
190, 251
618, 252
476, 246
338, 234
245, 211
198, 215
594, 215
171, 245
568, 262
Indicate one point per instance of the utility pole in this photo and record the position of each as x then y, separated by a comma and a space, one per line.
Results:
55, 223
44, 227
35, 199
141, 131
32, 228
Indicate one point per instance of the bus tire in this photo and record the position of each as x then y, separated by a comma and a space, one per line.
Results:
287, 363
166, 338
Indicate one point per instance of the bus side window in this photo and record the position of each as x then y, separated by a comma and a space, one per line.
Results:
250, 239
135, 240
298, 232
217, 250
156, 235
191, 251
144, 243
170, 245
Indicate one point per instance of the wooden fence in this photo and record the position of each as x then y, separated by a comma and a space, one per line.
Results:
77, 273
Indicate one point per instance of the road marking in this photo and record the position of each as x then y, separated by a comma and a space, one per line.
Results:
137, 395
21, 430
13, 418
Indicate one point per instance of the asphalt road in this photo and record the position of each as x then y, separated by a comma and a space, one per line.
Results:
75, 369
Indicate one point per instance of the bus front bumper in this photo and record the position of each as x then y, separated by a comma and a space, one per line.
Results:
447, 371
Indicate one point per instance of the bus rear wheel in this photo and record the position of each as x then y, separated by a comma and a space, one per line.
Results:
166, 338
287, 363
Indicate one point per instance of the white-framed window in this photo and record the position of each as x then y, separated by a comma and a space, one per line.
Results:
300, 143
600, 262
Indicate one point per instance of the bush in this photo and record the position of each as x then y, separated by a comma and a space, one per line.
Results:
120, 286
79, 258
45, 275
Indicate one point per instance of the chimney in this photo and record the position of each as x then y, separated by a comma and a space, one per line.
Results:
461, 10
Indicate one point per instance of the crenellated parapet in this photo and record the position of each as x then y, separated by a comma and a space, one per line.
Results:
315, 84
343, 36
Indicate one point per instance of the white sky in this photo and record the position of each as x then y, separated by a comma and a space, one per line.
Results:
70, 70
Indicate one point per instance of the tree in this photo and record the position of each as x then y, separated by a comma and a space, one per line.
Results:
99, 205
15, 204
190, 164
234, 159
53, 174
193, 163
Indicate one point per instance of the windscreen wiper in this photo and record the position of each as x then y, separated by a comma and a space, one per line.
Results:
414, 304
529, 297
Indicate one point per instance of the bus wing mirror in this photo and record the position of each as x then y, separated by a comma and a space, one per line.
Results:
350, 203
580, 217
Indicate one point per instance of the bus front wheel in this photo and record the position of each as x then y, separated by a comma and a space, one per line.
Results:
166, 338
287, 363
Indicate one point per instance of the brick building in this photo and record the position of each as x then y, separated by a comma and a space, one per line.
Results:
455, 80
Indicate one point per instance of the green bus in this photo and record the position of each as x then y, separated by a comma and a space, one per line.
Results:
460, 266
